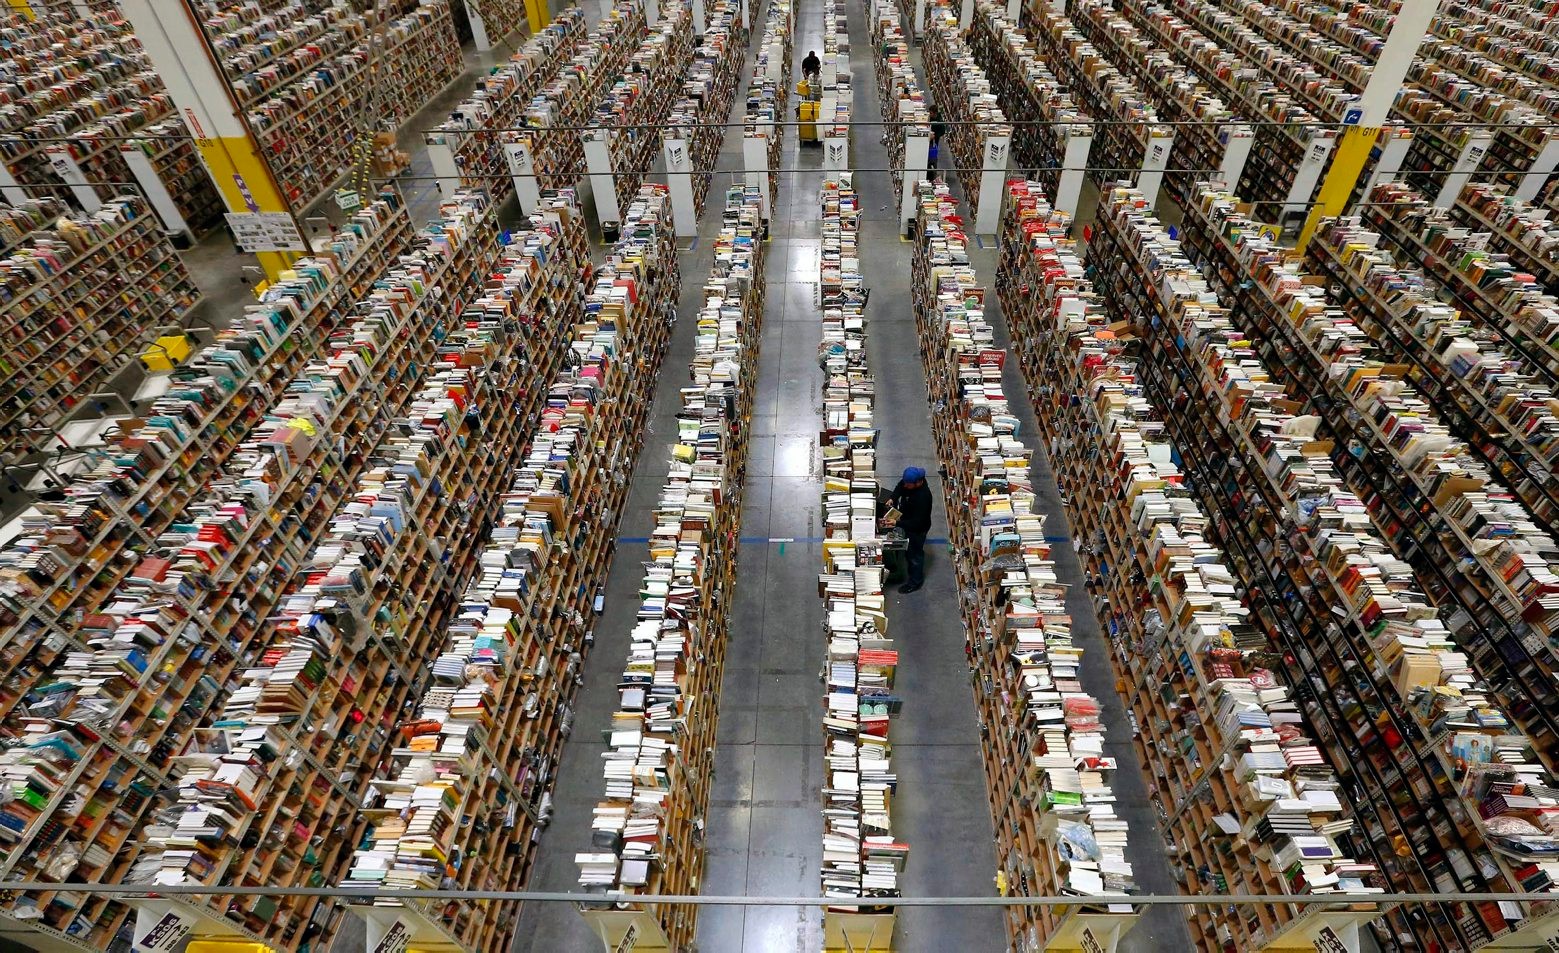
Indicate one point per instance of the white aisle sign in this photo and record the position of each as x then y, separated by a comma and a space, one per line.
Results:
255, 232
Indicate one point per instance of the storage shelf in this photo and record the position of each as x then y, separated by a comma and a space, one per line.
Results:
647, 834
1046, 771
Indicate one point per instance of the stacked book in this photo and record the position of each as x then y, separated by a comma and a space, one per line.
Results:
471, 140
768, 89
1287, 477
570, 96
640, 98
1103, 91
1495, 532
646, 833
862, 859
967, 102
1025, 86
903, 102
833, 119
1224, 743
1044, 753
221, 568
698, 118
1516, 228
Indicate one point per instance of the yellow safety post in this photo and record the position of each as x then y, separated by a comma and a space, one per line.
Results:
21, 7
171, 35
1365, 120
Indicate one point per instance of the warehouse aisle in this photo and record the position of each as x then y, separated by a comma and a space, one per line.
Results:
558, 927
765, 829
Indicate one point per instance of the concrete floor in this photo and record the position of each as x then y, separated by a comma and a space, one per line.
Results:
764, 827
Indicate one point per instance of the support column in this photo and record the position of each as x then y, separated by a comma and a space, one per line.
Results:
64, 166
181, 54
1542, 168
11, 189
1155, 159
1074, 164
441, 155
917, 159
522, 167
156, 192
1394, 143
993, 175
679, 179
537, 14
1237, 142
755, 157
1309, 173
479, 35
1407, 32
603, 185
1472, 156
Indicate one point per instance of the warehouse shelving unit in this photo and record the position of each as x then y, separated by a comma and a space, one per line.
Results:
648, 832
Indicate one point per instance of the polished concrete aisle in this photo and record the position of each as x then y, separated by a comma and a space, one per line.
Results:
558, 927
765, 826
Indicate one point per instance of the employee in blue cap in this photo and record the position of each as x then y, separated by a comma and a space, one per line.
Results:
912, 498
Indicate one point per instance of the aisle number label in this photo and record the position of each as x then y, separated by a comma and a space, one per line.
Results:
1090, 942
395, 940
1327, 941
629, 940
165, 934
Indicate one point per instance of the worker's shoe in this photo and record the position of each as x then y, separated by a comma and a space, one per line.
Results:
909, 587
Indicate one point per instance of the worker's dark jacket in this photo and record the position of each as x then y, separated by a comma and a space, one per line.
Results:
915, 507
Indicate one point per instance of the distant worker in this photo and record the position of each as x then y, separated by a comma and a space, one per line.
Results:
811, 66
912, 498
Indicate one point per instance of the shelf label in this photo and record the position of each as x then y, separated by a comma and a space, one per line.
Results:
256, 232
348, 200
161, 929
1090, 943
629, 940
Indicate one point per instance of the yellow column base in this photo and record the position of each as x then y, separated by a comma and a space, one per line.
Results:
22, 7
1348, 162
538, 15
245, 180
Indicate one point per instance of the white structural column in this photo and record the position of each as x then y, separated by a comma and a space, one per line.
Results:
478, 25
917, 159
603, 185
755, 157
993, 175
1237, 140
522, 168
1322, 142
1542, 167
64, 166
1393, 146
1155, 159
1473, 152
679, 179
140, 165
441, 155
1407, 32
10, 188
1074, 163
